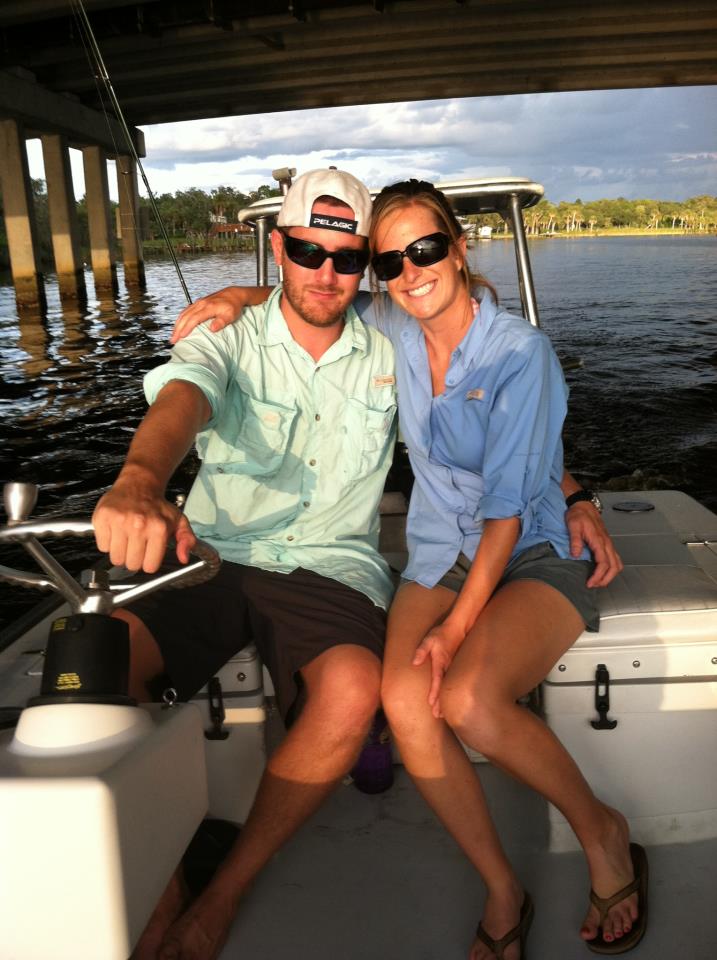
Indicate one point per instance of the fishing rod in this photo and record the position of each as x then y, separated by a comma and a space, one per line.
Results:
102, 74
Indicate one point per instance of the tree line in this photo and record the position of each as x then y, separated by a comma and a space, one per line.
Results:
190, 214
696, 215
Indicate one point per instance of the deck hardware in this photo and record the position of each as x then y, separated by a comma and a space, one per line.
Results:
602, 699
714, 660
636, 664
217, 714
562, 668
169, 697
241, 676
633, 506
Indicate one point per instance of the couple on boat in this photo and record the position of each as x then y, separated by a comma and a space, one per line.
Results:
293, 412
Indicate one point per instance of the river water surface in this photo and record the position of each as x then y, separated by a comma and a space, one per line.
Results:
640, 312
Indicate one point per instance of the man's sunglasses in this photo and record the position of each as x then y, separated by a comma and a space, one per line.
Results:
422, 253
312, 255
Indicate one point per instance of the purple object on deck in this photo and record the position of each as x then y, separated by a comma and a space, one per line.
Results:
373, 772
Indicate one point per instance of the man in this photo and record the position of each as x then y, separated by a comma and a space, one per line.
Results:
294, 415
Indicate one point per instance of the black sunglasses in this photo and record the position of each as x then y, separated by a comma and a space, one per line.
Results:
422, 253
312, 255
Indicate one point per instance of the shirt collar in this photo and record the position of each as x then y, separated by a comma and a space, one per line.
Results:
274, 330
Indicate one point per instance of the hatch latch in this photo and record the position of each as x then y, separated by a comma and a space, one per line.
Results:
217, 713
602, 699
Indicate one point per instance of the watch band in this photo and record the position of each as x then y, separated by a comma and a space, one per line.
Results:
589, 496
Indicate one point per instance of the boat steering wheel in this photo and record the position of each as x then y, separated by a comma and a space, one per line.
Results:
101, 595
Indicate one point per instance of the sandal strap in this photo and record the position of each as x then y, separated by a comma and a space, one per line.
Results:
605, 904
498, 946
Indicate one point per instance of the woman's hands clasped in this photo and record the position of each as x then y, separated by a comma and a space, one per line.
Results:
440, 645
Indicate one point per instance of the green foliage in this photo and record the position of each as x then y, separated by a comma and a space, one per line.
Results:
696, 215
192, 212
189, 214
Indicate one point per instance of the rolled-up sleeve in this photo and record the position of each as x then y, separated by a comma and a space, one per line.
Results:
524, 430
202, 359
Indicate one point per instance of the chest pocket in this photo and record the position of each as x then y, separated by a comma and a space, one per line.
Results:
263, 436
368, 431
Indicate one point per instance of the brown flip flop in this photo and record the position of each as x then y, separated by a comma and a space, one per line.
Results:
520, 931
604, 904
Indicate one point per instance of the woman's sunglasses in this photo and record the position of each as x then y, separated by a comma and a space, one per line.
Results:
422, 253
312, 255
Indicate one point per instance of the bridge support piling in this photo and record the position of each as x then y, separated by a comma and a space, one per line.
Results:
129, 220
20, 217
63, 217
98, 216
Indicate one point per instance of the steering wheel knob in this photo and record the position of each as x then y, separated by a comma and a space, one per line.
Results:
19, 500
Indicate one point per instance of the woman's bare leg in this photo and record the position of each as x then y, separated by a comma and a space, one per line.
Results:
519, 636
437, 762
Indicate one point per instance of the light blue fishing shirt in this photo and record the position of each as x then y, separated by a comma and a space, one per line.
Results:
296, 452
489, 446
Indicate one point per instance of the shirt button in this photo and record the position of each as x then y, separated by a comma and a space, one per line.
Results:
312, 463
289, 537
317, 416
307, 503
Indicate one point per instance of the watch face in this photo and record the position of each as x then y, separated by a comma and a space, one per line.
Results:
596, 501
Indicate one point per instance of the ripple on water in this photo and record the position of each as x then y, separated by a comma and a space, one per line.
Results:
641, 314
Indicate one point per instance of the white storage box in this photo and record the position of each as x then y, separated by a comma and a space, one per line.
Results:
658, 644
235, 747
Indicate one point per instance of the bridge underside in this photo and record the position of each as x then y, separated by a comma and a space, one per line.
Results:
184, 59
171, 60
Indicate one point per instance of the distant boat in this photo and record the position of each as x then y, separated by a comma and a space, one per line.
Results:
485, 233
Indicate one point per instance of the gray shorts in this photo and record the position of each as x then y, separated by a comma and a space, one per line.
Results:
541, 562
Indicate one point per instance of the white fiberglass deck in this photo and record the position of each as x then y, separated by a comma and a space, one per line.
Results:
374, 877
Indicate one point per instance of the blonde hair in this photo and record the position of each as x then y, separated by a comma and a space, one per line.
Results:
408, 193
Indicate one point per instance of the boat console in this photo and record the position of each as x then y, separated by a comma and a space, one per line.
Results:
109, 792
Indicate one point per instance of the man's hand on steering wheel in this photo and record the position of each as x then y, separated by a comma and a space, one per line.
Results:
134, 524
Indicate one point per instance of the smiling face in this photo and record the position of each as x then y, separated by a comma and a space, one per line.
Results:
427, 293
318, 297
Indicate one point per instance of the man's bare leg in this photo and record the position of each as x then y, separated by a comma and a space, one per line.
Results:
342, 687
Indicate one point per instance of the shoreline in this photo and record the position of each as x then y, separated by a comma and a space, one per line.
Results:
607, 232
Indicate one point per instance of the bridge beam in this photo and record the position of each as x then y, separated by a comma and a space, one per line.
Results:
20, 216
63, 217
97, 196
42, 111
130, 229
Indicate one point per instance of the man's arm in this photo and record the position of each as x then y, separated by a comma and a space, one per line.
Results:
133, 521
586, 527
222, 307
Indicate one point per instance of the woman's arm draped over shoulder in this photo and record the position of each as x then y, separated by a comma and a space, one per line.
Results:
222, 308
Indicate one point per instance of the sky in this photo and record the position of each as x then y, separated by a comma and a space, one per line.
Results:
653, 143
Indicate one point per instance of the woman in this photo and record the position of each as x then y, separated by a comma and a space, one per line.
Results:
491, 597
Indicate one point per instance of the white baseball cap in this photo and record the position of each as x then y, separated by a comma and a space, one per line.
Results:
305, 191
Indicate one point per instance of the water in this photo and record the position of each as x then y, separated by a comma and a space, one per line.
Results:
640, 312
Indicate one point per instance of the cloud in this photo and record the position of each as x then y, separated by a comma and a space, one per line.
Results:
635, 143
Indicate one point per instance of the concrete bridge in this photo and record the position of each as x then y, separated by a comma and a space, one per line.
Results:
181, 60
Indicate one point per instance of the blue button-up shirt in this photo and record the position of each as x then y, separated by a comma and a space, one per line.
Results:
296, 452
489, 446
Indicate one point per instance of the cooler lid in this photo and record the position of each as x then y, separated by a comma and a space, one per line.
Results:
656, 622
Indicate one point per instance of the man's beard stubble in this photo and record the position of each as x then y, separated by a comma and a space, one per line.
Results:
311, 312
